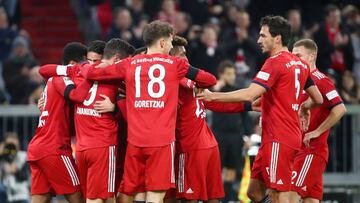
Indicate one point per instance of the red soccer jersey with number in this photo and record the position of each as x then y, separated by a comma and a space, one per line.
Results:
331, 97
93, 129
152, 84
52, 136
192, 131
284, 77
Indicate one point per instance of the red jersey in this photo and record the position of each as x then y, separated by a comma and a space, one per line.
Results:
284, 77
93, 129
52, 136
152, 85
331, 97
192, 131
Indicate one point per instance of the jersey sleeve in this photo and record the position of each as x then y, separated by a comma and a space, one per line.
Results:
112, 72
182, 66
66, 87
52, 70
121, 105
268, 74
222, 107
328, 91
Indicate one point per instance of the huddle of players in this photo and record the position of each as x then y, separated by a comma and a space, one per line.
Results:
155, 90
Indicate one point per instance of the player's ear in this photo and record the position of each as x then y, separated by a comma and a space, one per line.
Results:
162, 43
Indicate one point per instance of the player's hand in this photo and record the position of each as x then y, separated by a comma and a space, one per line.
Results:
41, 101
205, 95
104, 106
309, 136
304, 115
256, 105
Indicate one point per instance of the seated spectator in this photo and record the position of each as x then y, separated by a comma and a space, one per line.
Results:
168, 12
122, 27
15, 170
350, 91
21, 52
7, 35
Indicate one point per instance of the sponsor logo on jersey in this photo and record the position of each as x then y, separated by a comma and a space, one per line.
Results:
279, 182
189, 191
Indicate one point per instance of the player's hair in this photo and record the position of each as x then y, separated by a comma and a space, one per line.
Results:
156, 30
224, 65
96, 46
140, 50
179, 41
118, 46
73, 51
278, 26
330, 8
308, 44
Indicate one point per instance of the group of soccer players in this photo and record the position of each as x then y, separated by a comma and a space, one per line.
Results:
158, 101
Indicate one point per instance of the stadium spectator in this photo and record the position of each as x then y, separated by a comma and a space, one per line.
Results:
205, 52
350, 91
122, 27
182, 23
21, 52
15, 170
333, 42
7, 35
136, 8
168, 12
297, 30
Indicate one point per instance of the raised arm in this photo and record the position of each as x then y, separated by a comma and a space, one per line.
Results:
52, 70
103, 72
66, 87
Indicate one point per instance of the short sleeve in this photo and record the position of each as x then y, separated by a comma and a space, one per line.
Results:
268, 74
182, 66
329, 93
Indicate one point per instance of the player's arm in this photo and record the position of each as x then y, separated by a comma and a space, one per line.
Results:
222, 107
121, 105
336, 113
202, 78
243, 95
104, 71
52, 70
66, 87
312, 90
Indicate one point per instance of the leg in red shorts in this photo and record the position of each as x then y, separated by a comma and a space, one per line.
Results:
307, 176
199, 175
56, 174
273, 165
97, 169
148, 169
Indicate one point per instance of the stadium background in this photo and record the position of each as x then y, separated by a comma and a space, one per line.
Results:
33, 33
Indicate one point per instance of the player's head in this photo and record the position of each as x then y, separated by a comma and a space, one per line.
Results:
275, 32
178, 49
117, 49
158, 36
95, 51
306, 49
74, 53
227, 72
141, 50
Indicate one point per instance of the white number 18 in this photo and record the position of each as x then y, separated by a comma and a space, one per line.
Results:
153, 80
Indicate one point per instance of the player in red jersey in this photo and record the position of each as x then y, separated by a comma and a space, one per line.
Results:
198, 165
50, 149
96, 133
310, 161
279, 83
152, 82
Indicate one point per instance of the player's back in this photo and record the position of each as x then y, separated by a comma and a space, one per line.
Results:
53, 133
285, 76
152, 83
95, 129
192, 131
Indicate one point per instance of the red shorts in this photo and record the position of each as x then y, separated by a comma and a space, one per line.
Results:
97, 172
148, 169
273, 165
199, 175
307, 176
56, 174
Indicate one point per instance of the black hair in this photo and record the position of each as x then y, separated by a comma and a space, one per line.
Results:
73, 51
96, 46
278, 26
118, 46
224, 65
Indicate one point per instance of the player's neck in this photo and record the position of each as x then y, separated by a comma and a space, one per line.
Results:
153, 50
277, 50
312, 67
